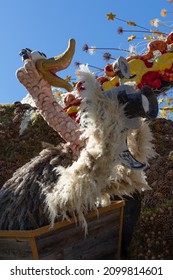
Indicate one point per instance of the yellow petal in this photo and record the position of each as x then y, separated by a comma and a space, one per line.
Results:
160, 100
163, 113
147, 37
130, 38
72, 109
68, 78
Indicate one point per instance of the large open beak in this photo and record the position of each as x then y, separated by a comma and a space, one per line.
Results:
49, 67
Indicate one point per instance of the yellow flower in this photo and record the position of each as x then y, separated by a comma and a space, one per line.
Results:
111, 16
147, 37
160, 100
163, 113
160, 36
163, 13
68, 78
57, 93
130, 38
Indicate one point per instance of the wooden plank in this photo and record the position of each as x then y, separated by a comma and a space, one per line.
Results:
35, 254
15, 249
70, 242
120, 232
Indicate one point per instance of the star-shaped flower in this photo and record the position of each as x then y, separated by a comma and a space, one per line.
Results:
68, 78
111, 16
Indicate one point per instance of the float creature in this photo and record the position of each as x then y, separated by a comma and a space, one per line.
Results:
79, 176
154, 68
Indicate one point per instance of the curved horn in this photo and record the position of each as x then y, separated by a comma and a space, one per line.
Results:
49, 67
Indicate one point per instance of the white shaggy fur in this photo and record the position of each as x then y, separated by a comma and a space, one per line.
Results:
98, 171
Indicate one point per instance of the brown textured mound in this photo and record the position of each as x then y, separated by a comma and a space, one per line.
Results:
153, 237
19, 145
160, 174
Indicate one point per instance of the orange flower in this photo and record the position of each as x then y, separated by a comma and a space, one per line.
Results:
155, 22
152, 22
163, 13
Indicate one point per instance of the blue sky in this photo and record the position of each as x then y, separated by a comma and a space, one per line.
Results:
48, 25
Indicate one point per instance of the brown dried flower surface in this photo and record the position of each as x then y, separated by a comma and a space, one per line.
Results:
18, 148
153, 236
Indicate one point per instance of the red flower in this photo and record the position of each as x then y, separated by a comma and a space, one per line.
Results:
102, 79
120, 30
147, 63
85, 48
109, 71
77, 63
107, 56
152, 79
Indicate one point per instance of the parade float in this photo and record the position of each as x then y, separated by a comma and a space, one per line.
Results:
95, 145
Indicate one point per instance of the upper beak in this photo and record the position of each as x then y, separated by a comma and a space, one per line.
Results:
49, 67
